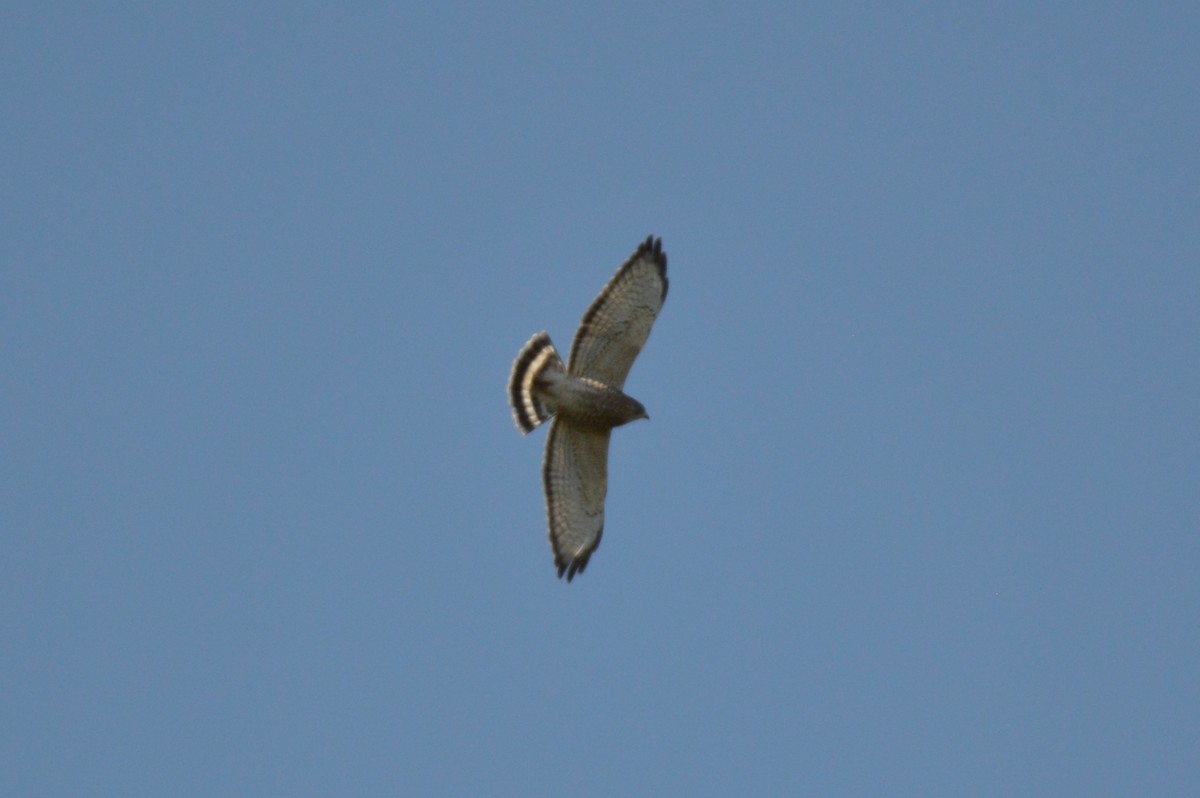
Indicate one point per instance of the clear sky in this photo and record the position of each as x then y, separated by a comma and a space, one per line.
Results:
918, 509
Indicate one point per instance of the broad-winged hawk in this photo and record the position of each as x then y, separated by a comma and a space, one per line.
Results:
586, 400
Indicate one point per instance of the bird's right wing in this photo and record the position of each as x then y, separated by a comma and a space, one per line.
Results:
616, 326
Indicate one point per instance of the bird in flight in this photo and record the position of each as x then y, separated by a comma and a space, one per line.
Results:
585, 400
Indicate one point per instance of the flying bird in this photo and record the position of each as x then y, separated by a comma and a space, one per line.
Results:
585, 400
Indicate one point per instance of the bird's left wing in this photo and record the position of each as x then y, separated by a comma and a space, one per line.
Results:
575, 472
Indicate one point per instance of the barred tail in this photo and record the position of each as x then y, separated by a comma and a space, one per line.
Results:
535, 357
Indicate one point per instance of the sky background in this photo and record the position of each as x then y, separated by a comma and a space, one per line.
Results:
918, 512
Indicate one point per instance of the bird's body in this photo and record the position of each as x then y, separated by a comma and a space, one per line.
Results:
585, 401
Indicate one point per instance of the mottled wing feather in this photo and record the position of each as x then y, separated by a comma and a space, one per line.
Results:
616, 326
576, 476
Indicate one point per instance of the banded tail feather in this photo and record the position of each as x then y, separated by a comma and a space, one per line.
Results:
532, 361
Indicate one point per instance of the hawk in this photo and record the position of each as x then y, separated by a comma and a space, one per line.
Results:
585, 400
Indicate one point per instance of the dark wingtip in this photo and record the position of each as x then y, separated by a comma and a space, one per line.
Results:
653, 246
575, 566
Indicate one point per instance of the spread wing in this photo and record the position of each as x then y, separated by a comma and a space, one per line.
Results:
576, 475
616, 326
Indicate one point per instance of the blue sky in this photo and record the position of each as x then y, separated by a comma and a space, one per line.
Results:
917, 512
